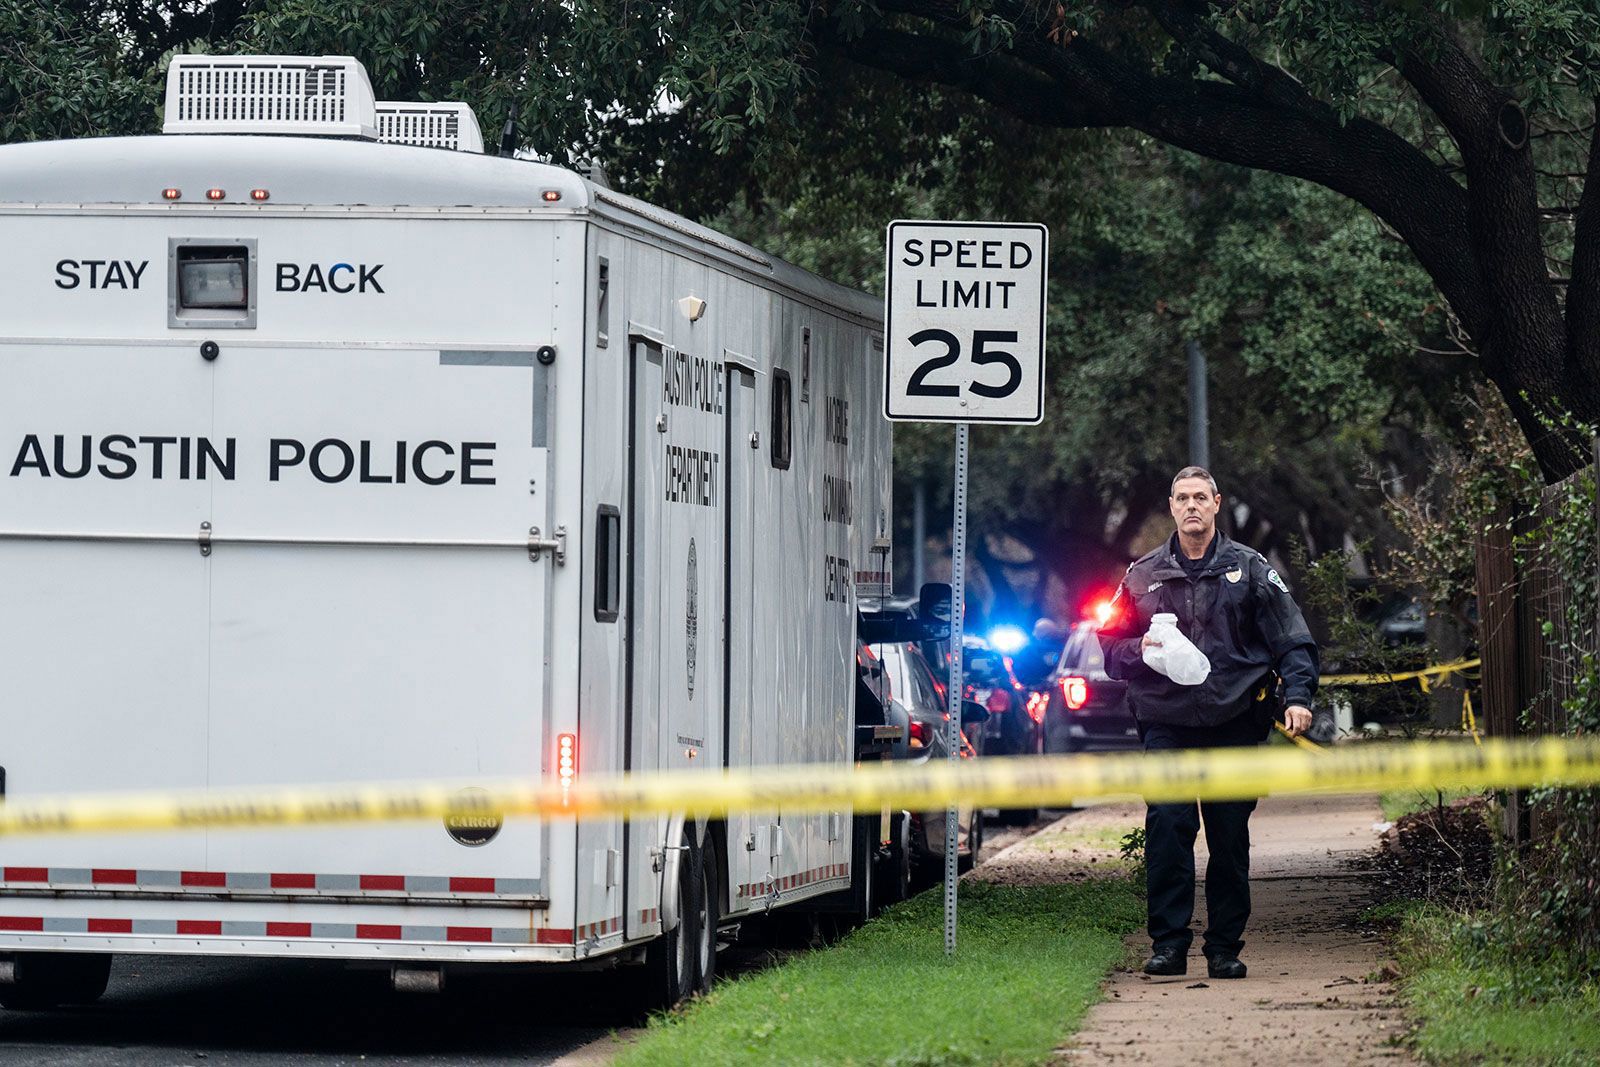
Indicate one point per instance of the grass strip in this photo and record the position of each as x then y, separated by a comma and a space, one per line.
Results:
1400, 802
1029, 962
1474, 1006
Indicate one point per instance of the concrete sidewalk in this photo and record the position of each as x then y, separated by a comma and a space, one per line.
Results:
1308, 999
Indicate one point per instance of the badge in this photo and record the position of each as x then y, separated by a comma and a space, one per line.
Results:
1272, 576
1234, 576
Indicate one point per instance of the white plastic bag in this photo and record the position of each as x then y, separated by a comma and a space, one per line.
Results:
1176, 656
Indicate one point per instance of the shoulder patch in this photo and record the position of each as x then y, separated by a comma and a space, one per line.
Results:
1272, 576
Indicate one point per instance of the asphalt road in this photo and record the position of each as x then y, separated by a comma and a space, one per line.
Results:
161, 1011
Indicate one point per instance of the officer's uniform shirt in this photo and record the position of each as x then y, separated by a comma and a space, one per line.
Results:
1237, 609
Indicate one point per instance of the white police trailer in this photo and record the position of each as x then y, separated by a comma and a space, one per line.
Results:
330, 460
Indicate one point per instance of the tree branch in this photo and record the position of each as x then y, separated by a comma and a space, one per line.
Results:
1082, 85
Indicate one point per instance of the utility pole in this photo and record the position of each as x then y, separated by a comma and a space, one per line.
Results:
1199, 417
919, 536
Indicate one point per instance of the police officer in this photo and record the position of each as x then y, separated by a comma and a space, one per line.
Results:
1237, 609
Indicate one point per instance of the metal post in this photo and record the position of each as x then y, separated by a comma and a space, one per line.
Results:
958, 605
1199, 417
919, 535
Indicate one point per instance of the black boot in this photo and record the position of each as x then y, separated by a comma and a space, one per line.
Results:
1225, 967
1167, 962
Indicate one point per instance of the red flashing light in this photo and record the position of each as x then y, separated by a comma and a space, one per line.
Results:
1075, 691
1103, 610
171, 193
259, 195
1036, 706
216, 194
567, 757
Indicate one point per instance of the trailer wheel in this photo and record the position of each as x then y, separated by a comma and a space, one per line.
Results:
669, 964
707, 918
45, 979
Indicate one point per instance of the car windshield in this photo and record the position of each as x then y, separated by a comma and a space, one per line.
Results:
1082, 652
910, 683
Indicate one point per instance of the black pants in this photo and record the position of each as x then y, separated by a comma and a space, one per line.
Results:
1169, 833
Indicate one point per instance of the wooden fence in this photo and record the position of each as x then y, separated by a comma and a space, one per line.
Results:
1528, 674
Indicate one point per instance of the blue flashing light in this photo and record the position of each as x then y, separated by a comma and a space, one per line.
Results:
1008, 640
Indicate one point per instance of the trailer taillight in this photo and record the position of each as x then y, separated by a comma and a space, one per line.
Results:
919, 734
550, 196
171, 194
567, 757
216, 194
260, 194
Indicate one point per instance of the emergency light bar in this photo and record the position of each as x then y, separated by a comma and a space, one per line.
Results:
308, 96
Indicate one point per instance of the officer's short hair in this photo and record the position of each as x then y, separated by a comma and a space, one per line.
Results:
1195, 472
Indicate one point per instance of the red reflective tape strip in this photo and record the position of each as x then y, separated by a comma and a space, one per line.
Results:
111, 926
373, 932
17, 922
27, 874
549, 935
294, 881
288, 929
102, 876
206, 879
468, 933
198, 926
391, 882
472, 885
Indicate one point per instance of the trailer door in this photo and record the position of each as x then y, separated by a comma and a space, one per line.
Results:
374, 610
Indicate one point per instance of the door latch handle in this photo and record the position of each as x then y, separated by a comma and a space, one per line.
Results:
556, 546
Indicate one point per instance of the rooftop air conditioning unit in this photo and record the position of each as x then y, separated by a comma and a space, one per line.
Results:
451, 126
308, 96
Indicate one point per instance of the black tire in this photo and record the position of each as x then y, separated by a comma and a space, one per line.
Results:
974, 854
46, 979
893, 867
707, 918
669, 973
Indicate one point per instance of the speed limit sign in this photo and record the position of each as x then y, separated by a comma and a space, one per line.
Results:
964, 322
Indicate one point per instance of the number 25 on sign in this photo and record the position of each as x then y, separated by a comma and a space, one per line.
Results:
964, 322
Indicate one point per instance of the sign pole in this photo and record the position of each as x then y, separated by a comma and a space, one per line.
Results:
958, 604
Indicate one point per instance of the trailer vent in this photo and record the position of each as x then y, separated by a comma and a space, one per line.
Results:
451, 126
323, 96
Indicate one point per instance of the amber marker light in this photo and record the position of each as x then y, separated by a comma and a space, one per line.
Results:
171, 194
215, 194
260, 194
551, 195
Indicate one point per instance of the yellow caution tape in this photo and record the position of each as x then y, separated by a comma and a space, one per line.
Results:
1422, 676
1469, 721
1207, 774
1296, 738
